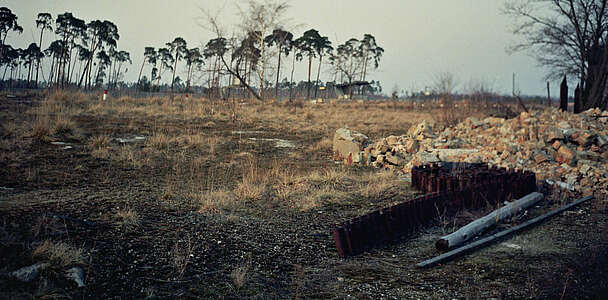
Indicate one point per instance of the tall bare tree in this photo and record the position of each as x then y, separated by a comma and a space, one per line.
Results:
149, 57
306, 45
99, 33
569, 37
369, 51
259, 19
284, 41
194, 59
179, 47
444, 84
8, 22
322, 46
44, 22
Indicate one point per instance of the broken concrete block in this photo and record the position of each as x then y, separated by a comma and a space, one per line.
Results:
424, 129
76, 274
588, 155
412, 146
541, 157
552, 134
395, 159
565, 155
453, 155
584, 138
27, 274
424, 157
556, 145
602, 140
348, 143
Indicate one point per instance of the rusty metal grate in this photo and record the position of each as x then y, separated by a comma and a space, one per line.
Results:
449, 188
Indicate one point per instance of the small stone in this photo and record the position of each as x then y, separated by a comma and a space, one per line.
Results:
556, 145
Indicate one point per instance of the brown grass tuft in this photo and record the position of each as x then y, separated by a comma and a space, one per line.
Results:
127, 218
59, 254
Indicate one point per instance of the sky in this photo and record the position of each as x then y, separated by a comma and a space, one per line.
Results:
421, 38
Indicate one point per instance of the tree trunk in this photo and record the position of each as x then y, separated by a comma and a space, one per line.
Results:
141, 71
262, 65
308, 86
276, 85
482, 242
293, 67
251, 90
188, 78
52, 71
38, 64
548, 95
68, 77
563, 95
174, 69
577, 99
318, 73
476, 227
160, 68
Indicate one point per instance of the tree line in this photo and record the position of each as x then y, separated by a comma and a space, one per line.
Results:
570, 39
85, 55
262, 34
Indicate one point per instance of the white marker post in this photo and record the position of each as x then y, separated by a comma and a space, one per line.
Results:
105, 95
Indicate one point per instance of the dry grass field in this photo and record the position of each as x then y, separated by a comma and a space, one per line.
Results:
190, 198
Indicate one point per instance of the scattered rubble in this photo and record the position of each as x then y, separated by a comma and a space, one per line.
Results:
349, 144
569, 150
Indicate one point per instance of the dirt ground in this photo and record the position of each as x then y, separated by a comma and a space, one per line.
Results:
189, 198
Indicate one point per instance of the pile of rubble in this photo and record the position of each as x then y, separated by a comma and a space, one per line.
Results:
561, 148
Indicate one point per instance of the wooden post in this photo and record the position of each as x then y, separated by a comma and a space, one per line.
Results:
476, 227
577, 100
483, 242
563, 95
548, 95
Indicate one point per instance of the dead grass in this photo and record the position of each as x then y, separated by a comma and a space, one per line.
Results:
159, 141
41, 129
59, 254
214, 201
127, 218
99, 142
183, 250
63, 126
241, 274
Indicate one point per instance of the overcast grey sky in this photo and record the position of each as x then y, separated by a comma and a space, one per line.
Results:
420, 37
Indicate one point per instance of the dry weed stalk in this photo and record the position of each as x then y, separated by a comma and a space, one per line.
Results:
240, 275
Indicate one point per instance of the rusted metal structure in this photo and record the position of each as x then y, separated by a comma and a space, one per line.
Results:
448, 187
